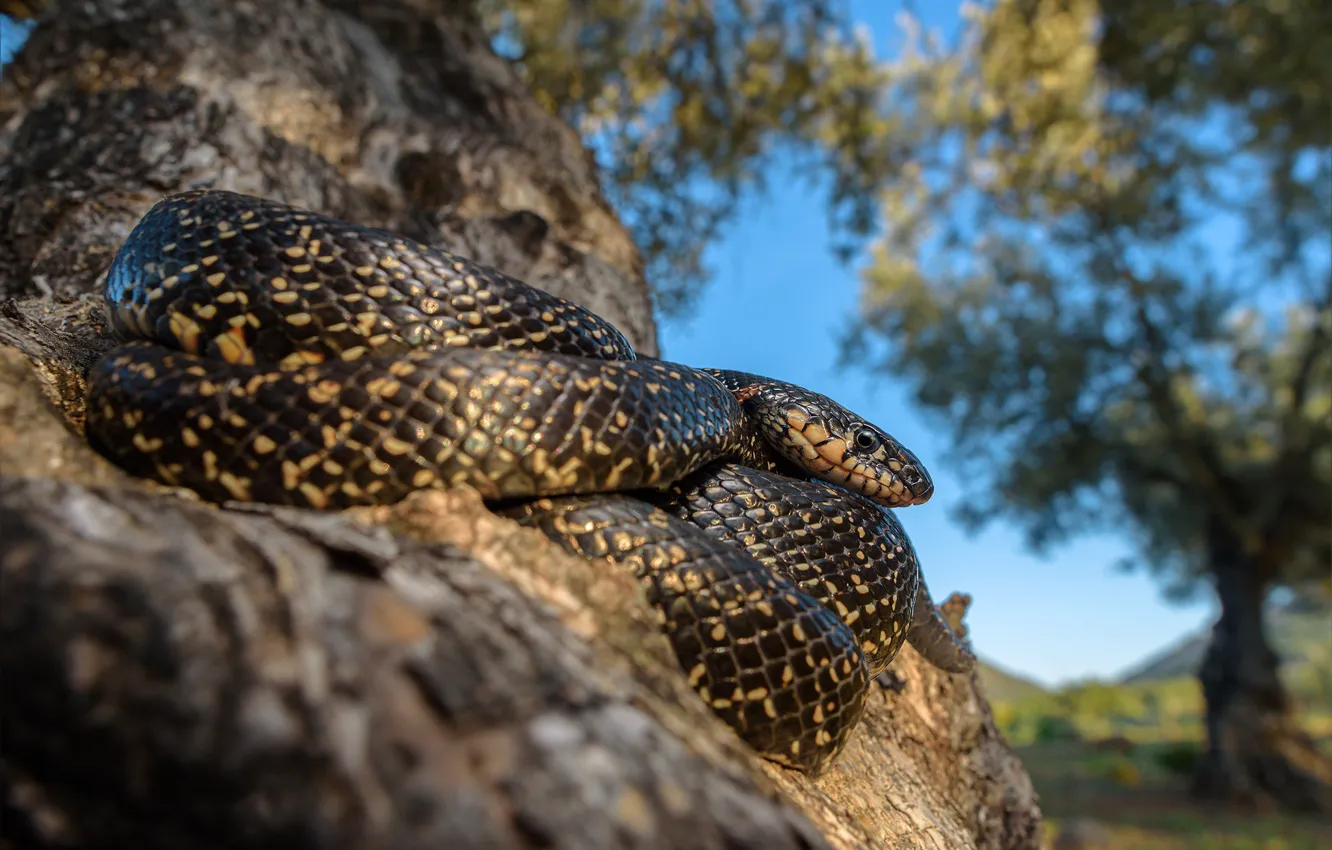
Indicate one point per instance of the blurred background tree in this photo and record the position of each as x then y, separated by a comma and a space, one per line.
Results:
1103, 262
1106, 269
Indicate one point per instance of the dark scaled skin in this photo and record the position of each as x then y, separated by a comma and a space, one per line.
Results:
932, 636
275, 355
370, 431
245, 280
846, 552
775, 664
813, 435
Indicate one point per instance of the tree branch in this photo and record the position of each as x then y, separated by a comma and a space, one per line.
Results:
1317, 344
1193, 447
1300, 439
1152, 472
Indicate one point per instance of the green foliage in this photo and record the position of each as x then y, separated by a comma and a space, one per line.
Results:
1106, 268
1179, 757
1094, 710
689, 101
1258, 57
1122, 771
1146, 711
1054, 727
1076, 785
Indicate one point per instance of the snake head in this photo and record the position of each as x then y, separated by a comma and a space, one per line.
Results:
825, 440
843, 449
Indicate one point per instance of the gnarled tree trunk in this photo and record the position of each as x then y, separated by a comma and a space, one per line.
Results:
177, 674
1256, 753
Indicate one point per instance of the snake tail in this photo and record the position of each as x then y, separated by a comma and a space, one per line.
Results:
932, 636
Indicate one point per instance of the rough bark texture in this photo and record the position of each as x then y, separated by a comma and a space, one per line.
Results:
424, 675
1257, 754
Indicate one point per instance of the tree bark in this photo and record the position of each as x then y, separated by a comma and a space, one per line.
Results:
1256, 753
184, 675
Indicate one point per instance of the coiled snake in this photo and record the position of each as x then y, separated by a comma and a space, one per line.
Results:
280, 356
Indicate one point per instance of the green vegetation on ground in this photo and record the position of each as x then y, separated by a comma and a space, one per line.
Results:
1120, 756
1003, 686
1161, 699
1139, 803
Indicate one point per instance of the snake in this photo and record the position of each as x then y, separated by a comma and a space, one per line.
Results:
268, 353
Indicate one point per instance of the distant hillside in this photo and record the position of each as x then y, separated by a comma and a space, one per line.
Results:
1181, 659
1302, 637
1002, 686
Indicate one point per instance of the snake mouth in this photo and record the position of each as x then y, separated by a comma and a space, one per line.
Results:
915, 477
922, 492
884, 486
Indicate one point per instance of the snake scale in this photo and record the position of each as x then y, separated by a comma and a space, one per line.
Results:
271, 354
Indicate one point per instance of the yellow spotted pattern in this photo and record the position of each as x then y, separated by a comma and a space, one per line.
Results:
275, 355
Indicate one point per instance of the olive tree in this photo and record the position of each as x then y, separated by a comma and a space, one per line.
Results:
1105, 267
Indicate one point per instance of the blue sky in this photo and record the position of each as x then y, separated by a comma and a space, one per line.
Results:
11, 36
776, 306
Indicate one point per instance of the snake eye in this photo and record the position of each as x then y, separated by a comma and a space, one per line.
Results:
866, 439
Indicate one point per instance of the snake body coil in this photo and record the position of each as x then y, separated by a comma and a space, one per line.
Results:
279, 356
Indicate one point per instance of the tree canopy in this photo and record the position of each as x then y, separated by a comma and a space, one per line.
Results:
1106, 267
690, 103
